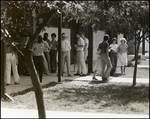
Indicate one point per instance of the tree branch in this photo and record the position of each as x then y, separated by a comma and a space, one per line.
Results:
42, 25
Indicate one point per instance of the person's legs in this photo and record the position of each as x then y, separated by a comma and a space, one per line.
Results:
115, 61
14, 68
51, 60
124, 68
103, 67
41, 67
48, 60
121, 69
8, 68
63, 54
82, 62
45, 65
85, 54
36, 62
112, 58
78, 62
68, 63
55, 61
107, 61
94, 76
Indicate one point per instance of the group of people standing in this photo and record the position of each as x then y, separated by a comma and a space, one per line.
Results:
45, 53
81, 48
45, 56
109, 57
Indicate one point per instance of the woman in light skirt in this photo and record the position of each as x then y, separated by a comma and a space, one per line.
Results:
97, 67
122, 55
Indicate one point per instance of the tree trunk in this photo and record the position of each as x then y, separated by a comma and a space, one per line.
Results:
36, 84
136, 62
3, 89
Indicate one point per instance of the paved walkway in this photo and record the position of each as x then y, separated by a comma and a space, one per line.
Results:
26, 83
28, 113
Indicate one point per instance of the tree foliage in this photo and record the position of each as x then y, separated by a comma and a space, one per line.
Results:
16, 16
17, 19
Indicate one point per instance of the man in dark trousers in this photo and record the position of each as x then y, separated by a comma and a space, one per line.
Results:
53, 53
105, 59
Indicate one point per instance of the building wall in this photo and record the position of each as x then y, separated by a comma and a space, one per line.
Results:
146, 46
97, 38
118, 38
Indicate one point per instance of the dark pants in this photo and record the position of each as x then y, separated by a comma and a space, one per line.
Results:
53, 62
105, 60
113, 58
38, 61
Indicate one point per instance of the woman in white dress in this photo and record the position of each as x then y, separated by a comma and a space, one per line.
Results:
122, 55
97, 67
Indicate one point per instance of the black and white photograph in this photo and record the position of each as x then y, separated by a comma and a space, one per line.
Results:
75, 59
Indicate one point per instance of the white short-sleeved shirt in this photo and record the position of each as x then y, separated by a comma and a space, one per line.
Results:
46, 45
65, 45
114, 47
80, 42
38, 49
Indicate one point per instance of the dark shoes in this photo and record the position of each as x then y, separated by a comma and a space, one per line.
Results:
53, 71
94, 78
69, 75
105, 80
77, 74
83, 75
16, 83
7, 84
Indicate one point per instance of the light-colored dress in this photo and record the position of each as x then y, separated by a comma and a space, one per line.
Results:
122, 55
98, 65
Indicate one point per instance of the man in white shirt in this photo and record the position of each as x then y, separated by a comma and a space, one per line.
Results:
80, 55
86, 42
65, 50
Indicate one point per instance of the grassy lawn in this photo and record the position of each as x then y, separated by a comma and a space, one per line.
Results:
80, 96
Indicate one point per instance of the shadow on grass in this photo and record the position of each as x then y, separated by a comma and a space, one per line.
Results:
32, 89
95, 82
97, 96
113, 94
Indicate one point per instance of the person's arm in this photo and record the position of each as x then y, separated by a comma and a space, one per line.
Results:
86, 44
56, 45
119, 50
85, 47
69, 45
33, 48
107, 47
127, 48
46, 45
